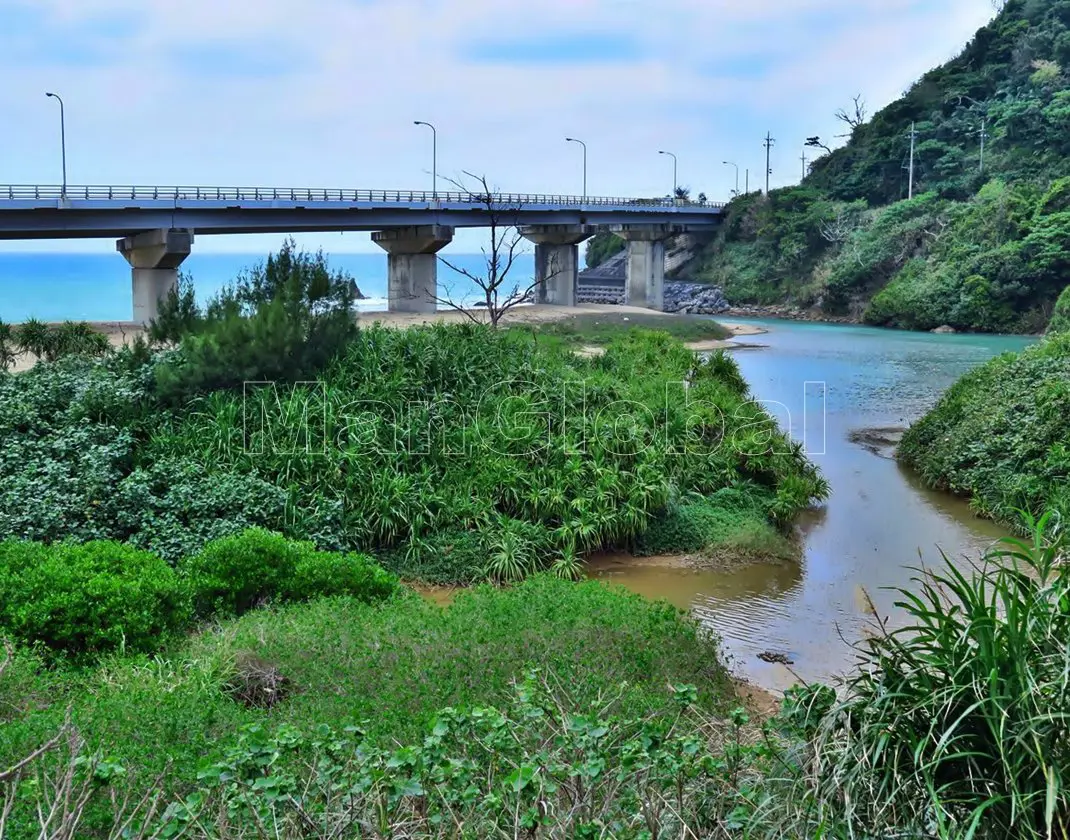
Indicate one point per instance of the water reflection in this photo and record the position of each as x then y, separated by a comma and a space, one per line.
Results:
879, 520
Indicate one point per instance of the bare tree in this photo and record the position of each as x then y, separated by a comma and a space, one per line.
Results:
500, 292
857, 118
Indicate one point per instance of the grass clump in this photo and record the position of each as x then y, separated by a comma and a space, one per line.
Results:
730, 523
1001, 435
956, 725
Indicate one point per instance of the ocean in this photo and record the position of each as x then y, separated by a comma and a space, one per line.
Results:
96, 287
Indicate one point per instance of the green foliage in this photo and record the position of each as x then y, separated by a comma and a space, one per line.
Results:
52, 342
529, 769
425, 435
601, 247
730, 521
281, 322
1000, 434
955, 725
88, 599
1060, 316
8, 346
230, 576
984, 252
178, 314
389, 668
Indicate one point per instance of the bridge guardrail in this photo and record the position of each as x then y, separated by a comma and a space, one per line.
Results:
514, 200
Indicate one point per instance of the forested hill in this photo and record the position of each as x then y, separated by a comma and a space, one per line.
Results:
975, 248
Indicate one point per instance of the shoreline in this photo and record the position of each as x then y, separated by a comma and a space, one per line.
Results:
121, 333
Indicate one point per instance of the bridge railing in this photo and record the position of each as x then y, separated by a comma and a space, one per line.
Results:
239, 194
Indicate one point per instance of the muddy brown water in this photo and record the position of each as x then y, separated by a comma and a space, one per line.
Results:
844, 391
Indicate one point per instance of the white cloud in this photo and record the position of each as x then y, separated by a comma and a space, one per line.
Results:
344, 79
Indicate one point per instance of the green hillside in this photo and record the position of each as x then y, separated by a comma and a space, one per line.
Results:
983, 249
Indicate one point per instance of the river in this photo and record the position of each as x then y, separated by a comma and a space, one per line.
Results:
823, 382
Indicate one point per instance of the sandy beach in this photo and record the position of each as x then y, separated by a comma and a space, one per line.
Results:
120, 333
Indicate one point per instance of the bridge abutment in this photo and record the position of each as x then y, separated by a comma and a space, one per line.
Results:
154, 258
412, 274
557, 262
644, 283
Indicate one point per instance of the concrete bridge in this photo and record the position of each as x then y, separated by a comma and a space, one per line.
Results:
155, 229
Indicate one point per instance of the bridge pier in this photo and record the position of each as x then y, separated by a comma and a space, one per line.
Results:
154, 258
644, 283
412, 274
557, 263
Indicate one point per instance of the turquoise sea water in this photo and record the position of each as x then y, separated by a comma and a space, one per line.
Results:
96, 287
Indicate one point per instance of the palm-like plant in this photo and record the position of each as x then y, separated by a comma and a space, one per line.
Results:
958, 725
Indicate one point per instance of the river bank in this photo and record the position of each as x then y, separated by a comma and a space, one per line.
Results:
845, 392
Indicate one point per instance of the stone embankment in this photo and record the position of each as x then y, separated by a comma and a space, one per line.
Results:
685, 298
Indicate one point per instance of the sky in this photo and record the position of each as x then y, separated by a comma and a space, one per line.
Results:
323, 93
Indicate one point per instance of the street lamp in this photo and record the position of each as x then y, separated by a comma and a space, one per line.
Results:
574, 140
434, 158
62, 140
736, 165
670, 154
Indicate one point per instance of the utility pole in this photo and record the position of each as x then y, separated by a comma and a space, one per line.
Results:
769, 141
910, 187
803, 159
984, 136
746, 185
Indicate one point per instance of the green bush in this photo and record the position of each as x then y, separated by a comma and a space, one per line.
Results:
283, 321
1060, 317
323, 573
89, 599
231, 575
1001, 434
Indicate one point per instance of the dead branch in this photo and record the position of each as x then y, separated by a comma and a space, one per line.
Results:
499, 293
853, 120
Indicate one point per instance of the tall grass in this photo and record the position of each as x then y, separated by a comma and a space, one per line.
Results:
958, 724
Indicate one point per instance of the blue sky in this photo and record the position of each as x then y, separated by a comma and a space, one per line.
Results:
324, 92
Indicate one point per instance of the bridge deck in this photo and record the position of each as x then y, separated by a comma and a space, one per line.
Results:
31, 212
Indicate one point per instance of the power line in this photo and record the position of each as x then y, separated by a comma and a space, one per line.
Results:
769, 141
913, 136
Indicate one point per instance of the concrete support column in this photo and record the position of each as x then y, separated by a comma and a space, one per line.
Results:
412, 276
154, 258
644, 283
557, 261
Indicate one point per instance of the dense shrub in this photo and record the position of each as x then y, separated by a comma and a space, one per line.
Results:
324, 573
1001, 434
88, 599
282, 321
1060, 317
231, 575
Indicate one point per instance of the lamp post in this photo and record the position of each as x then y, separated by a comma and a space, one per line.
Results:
574, 140
62, 139
434, 158
736, 165
670, 154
